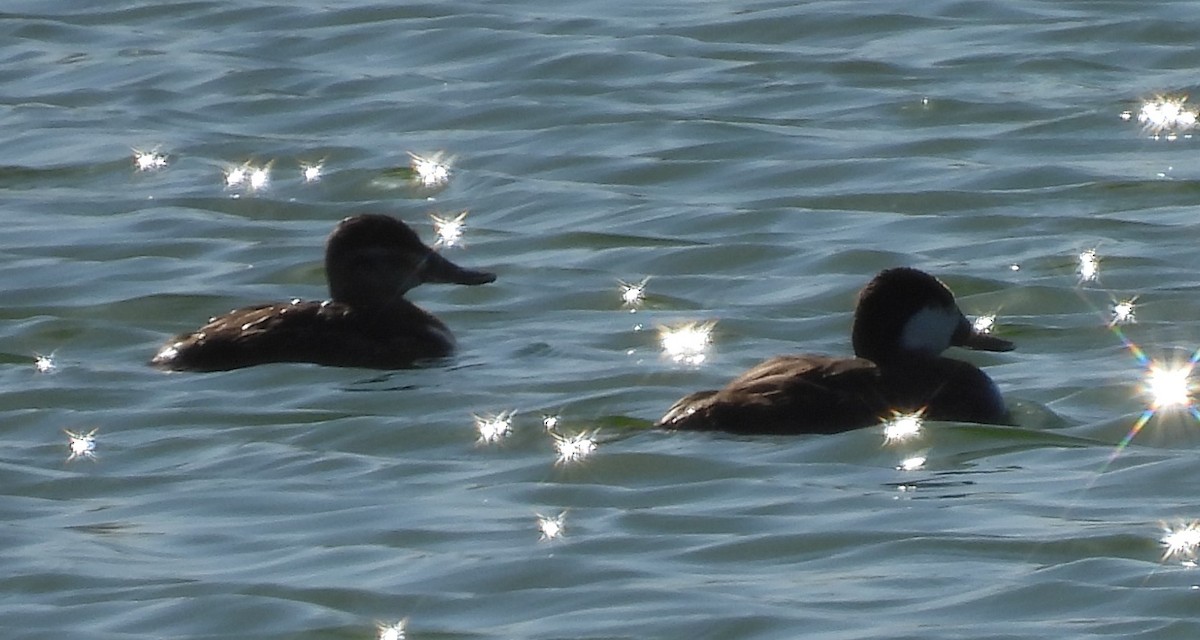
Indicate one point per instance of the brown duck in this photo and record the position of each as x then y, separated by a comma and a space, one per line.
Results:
904, 320
370, 262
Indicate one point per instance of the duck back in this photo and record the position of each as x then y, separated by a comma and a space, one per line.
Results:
820, 394
786, 394
325, 333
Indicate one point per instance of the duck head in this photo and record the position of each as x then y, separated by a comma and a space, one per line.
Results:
372, 259
905, 312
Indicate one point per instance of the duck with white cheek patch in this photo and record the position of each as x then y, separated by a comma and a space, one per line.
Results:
905, 319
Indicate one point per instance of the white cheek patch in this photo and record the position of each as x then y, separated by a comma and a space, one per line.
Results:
930, 330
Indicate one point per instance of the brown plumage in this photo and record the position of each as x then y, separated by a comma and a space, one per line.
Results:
370, 262
904, 319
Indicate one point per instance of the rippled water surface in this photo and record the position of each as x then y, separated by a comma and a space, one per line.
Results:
757, 161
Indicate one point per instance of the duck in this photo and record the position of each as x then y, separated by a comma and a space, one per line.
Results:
903, 321
371, 261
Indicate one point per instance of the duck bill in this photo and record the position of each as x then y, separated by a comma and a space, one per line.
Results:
966, 336
984, 342
439, 269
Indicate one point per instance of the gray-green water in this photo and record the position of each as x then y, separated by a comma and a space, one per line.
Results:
759, 161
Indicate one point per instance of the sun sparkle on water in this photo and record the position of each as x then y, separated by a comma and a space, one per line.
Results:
574, 448
551, 526
82, 445
494, 428
248, 176
149, 160
235, 176
902, 426
1166, 114
394, 631
1181, 541
984, 323
43, 364
687, 343
312, 172
1169, 386
260, 177
430, 171
1123, 311
632, 294
1089, 266
449, 230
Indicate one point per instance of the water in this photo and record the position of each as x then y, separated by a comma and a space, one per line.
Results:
759, 161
